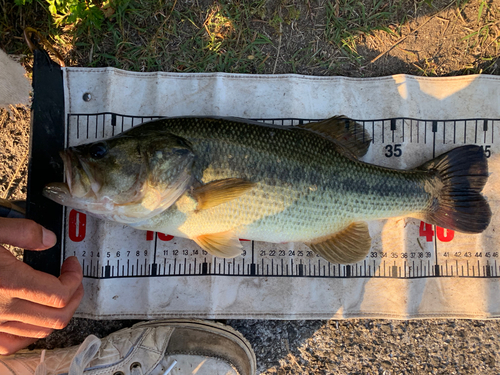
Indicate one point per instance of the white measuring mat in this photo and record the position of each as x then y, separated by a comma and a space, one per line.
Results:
413, 270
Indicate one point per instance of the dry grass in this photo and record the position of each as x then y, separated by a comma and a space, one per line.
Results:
319, 37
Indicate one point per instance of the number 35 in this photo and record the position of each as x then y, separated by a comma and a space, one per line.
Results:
393, 151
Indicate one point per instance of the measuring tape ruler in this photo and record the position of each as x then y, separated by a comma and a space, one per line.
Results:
401, 248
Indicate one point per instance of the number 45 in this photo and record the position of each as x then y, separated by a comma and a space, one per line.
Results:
443, 235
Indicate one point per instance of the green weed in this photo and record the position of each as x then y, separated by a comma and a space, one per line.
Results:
68, 12
346, 20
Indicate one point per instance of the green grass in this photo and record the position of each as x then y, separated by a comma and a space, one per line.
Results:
347, 21
240, 36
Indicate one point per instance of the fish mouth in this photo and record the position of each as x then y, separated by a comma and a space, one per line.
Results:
78, 185
58, 192
66, 158
79, 176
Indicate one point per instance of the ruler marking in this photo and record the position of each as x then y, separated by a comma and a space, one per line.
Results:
485, 130
475, 134
107, 271
492, 131
103, 124
444, 132
383, 126
425, 132
454, 132
96, 125
113, 123
77, 127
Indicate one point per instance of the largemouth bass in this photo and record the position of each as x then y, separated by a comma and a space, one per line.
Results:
217, 180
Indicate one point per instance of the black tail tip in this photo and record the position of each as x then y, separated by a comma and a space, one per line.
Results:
466, 214
460, 205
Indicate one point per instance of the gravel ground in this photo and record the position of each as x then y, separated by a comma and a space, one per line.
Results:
359, 346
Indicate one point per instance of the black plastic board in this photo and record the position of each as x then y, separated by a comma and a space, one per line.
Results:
45, 165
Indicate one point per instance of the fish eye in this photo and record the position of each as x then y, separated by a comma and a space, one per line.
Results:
98, 150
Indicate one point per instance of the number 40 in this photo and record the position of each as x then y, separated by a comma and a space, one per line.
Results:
443, 235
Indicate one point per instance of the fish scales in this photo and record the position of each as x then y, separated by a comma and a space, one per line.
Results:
305, 188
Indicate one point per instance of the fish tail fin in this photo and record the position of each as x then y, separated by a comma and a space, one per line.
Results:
457, 201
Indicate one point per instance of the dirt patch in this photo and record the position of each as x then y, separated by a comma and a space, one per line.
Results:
14, 142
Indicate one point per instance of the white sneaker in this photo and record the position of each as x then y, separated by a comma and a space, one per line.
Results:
173, 347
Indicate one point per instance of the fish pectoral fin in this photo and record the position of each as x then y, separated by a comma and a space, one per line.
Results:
220, 191
223, 245
345, 132
350, 245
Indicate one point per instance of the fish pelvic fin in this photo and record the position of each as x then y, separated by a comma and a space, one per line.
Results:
349, 245
223, 245
220, 191
457, 202
343, 131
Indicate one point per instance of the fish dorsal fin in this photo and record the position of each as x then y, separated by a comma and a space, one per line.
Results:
350, 245
220, 191
343, 131
223, 245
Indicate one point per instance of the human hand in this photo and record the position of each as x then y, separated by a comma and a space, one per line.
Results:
33, 303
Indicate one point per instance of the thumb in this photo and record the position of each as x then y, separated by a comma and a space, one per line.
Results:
26, 234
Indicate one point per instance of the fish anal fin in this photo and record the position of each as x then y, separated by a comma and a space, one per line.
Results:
220, 191
223, 245
343, 131
349, 245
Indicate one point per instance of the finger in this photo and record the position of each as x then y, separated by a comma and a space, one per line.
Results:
25, 330
26, 234
42, 316
9, 344
71, 272
21, 281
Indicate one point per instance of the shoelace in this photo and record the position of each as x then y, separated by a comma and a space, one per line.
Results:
85, 353
87, 350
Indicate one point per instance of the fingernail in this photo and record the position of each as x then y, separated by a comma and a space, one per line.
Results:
49, 238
